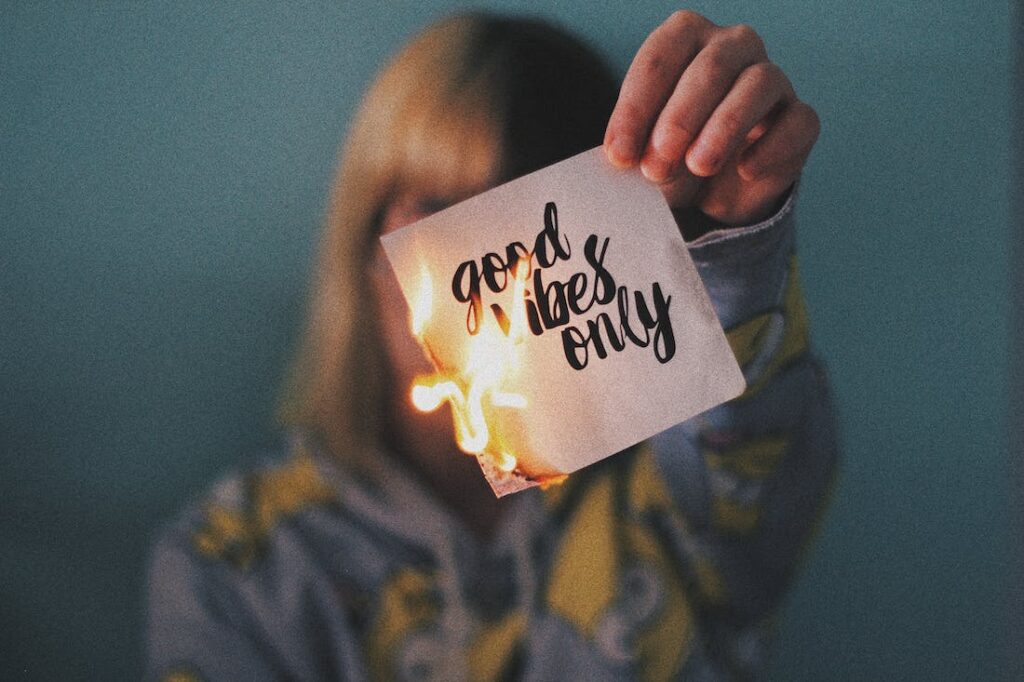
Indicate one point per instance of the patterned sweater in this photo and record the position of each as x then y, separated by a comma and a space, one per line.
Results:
667, 561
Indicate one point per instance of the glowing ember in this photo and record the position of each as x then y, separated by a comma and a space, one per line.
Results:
492, 358
505, 462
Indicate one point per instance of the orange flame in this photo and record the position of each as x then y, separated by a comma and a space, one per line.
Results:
424, 304
492, 358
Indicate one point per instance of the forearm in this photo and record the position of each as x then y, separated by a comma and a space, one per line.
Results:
751, 476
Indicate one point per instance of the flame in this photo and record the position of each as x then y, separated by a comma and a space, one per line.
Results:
492, 358
420, 311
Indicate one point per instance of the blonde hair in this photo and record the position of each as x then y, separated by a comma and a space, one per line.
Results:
472, 100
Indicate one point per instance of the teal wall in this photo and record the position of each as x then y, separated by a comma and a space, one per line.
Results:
163, 171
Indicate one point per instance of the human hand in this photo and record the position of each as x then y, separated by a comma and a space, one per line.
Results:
711, 120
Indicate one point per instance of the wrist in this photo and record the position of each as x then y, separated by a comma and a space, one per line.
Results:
695, 224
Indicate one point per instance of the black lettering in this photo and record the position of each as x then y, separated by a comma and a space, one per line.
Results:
664, 338
468, 292
533, 317
627, 328
550, 301
549, 237
573, 341
492, 267
577, 287
552, 305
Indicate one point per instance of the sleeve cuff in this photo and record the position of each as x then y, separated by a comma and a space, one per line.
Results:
744, 268
725, 234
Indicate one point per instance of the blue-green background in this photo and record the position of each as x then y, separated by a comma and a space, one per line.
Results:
163, 174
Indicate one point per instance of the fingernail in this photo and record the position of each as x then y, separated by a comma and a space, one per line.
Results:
702, 159
623, 148
654, 167
670, 142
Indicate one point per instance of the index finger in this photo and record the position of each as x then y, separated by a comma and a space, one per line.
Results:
649, 83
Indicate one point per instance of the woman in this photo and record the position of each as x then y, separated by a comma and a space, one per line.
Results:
376, 550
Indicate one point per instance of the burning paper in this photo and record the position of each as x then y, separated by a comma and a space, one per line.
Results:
564, 317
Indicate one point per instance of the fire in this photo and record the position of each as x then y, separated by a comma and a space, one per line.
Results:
492, 358
423, 305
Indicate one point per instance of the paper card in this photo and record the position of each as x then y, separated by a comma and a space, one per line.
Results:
565, 318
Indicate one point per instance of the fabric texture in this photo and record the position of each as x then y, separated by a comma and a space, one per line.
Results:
667, 561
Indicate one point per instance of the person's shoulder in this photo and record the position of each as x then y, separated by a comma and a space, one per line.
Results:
238, 520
